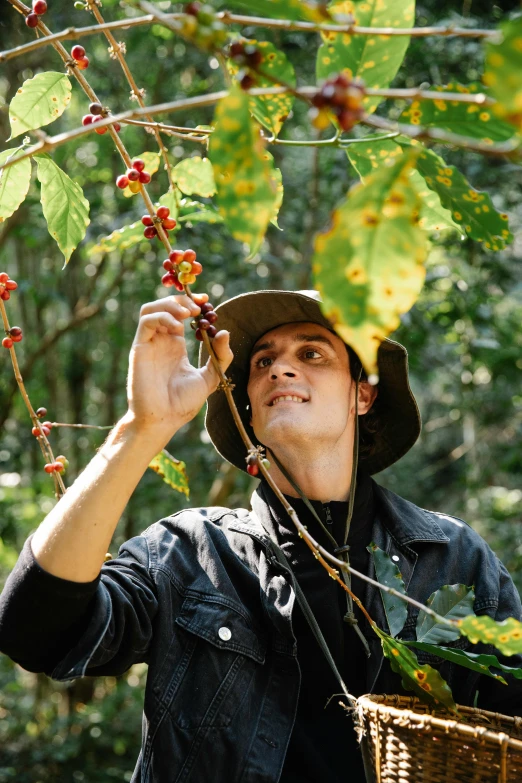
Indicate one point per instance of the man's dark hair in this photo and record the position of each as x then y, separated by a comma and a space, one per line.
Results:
370, 422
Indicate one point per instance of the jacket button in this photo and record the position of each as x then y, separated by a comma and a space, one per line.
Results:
396, 558
225, 633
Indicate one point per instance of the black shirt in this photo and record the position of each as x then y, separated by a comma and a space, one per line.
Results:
323, 743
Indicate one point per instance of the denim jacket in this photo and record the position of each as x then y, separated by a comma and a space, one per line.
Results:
202, 599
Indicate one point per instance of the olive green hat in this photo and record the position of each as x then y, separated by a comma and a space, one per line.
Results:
248, 317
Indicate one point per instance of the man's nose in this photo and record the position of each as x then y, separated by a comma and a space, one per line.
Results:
282, 368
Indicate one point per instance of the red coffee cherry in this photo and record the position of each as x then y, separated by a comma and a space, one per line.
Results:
199, 335
189, 255
7, 342
147, 220
82, 63
88, 119
211, 331
138, 164
168, 224
46, 430
5, 295
247, 82
122, 181
39, 7
11, 285
41, 412
206, 307
96, 108
150, 232
203, 324
163, 212
48, 425
15, 333
176, 256
77, 52
117, 127
59, 467
211, 317
169, 279
49, 467
168, 265
196, 268
144, 177
63, 461
252, 466
193, 8
4, 277
100, 131
36, 432
31, 20
132, 175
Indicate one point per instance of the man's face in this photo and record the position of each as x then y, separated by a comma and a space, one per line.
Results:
308, 364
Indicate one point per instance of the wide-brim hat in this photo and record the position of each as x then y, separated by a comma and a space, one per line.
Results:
248, 317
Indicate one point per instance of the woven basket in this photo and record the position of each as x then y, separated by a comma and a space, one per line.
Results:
406, 741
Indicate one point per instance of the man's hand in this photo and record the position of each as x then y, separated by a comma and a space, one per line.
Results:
164, 390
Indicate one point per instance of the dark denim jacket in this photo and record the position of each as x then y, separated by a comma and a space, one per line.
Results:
201, 598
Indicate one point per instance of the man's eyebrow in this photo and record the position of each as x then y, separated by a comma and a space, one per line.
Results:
297, 338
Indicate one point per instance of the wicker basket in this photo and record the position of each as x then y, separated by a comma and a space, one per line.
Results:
405, 741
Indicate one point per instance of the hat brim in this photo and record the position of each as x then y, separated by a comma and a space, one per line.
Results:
247, 317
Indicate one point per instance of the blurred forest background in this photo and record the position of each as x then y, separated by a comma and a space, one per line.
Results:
464, 337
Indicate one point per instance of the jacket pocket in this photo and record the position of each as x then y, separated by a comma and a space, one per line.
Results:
222, 653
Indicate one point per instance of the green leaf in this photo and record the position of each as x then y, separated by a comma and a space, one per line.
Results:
503, 72
152, 161
303, 10
171, 470
195, 175
120, 240
476, 661
424, 680
470, 208
277, 183
466, 119
201, 216
369, 265
39, 101
389, 575
14, 183
65, 208
366, 158
451, 602
506, 636
170, 200
374, 58
245, 192
270, 110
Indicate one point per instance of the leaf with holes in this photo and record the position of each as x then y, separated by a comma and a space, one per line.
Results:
368, 266
172, 471
65, 208
506, 636
270, 110
39, 101
472, 209
366, 158
503, 72
478, 662
14, 183
152, 161
374, 58
451, 602
466, 119
195, 175
424, 680
301, 10
389, 575
243, 175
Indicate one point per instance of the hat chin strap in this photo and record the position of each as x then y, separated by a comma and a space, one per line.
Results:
341, 551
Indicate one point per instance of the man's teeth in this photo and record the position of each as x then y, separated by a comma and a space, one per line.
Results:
287, 397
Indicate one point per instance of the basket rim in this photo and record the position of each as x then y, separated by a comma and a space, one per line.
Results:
377, 703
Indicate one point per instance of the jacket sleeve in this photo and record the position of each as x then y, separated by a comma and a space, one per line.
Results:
492, 695
69, 629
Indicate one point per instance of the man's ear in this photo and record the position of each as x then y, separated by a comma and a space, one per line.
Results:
367, 396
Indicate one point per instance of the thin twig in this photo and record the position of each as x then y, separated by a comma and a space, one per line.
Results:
83, 426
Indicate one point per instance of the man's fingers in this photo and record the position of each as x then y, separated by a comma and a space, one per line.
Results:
162, 323
178, 306
224, 355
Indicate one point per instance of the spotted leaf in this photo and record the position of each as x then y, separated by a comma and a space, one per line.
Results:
472, 209
270, 110
389, 575
39, 101
152, 161
172, 471
65, 208
506, 636
478, 662
14, 183
503, 72
424, 681
374, 58
195, 175
243, 174
451, 602
303, 10
366, 158
369, 265
466, 119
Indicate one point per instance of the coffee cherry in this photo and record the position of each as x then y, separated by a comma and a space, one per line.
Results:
83, 63
203, 324
176, 256
138, 164
100, 131
265, 463
49, 467
147, 220
46, 430
87, 119
96, 108
185, 266
7, 342
169, 279
144, 177
134, 187
150, 232
15, 333
163, 212
31, 20
63, 461
168, 224
132, 175
59, 467
36, 432
39, 7
186, 278
199, 335
192, 8
122, 181
11, 285
4, 277
189, 255
206, 307
47, 425
41, 412
168, 265
252, 466
117, 127
196, 268
211, 317
5, 295
77, 52
247, 81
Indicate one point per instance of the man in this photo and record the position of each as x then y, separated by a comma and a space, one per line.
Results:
238, 688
